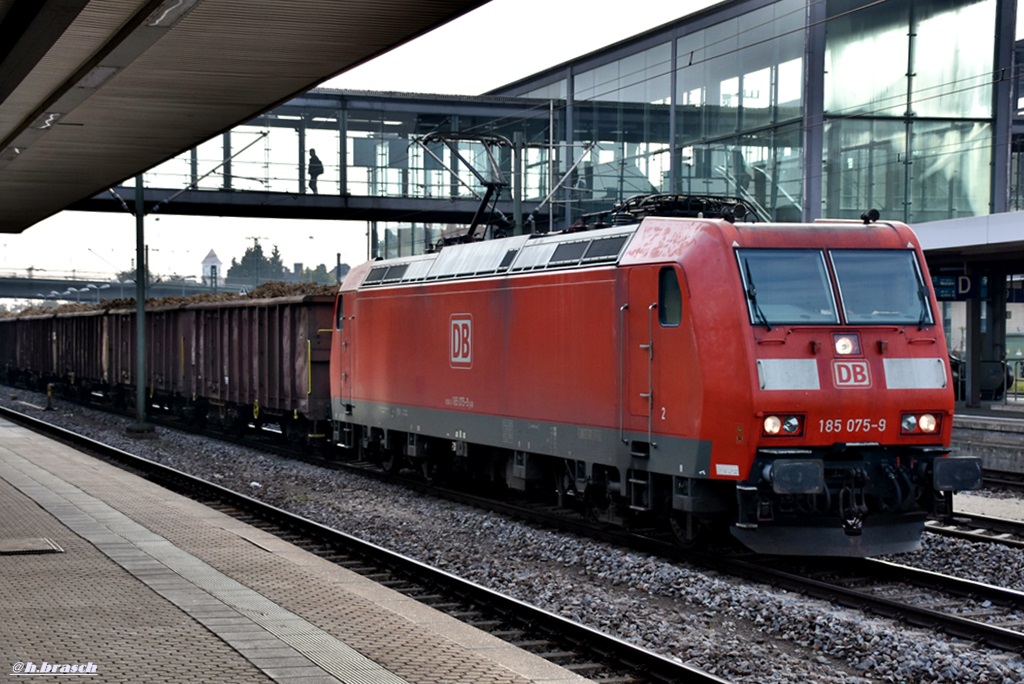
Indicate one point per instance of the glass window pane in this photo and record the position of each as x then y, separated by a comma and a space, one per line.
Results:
670, 298
756, 98
623, 108
791, 80
870, 50
881, 287
553, 91
787, 286
643, 77
734, 82
721, 78
866, 52
692, 88
868, 166
946, 86
764, 169
950, 175
865, 168
583, 85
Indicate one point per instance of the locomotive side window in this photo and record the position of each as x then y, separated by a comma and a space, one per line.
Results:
788, 286
881, 287
339, 311
670, 298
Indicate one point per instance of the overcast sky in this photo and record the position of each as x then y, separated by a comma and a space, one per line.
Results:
501, 42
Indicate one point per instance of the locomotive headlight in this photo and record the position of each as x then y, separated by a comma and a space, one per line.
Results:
846, 344
788, 425
926, 423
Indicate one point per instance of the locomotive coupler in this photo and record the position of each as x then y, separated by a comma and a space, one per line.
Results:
852, 508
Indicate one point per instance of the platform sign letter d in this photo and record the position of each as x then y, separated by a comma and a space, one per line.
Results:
461, 341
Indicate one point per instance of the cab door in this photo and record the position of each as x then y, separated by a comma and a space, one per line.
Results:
344, 336
641, 316
652, 321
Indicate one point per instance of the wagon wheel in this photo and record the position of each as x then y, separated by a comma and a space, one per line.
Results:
688, 530
179, 406
293, 431
200, 414
119, 399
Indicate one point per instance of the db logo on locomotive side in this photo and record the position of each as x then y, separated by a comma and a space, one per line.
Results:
851, 374
461, 341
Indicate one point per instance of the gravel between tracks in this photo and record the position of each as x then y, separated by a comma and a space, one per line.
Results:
741, 632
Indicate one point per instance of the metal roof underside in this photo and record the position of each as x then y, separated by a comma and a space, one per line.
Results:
93, 92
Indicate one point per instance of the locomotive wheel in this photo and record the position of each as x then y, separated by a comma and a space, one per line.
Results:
430, 470
688, 531
434, 470
390, 461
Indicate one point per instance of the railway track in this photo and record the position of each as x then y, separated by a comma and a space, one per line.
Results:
590, 653
980, 528
970, 610
981, 613
1005, 480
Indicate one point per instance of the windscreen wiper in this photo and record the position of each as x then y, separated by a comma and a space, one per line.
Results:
752, 296
922, 293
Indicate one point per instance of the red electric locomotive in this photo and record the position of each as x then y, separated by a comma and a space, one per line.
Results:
787, 381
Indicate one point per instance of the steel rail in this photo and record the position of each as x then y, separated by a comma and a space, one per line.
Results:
980, 528
786, 574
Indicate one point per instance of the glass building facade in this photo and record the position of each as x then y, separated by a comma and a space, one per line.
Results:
804, 109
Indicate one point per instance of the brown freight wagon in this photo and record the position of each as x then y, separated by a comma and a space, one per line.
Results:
235, 362
62, 349
231, 363
27, 351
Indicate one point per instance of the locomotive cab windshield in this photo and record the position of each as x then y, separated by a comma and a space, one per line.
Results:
879, 287
793, 286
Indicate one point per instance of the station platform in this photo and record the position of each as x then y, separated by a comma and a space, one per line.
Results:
994, 432
106, 574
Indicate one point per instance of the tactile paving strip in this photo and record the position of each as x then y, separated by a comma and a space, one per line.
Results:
12, 547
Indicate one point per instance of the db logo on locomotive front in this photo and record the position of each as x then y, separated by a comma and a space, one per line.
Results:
461, 338
851, 374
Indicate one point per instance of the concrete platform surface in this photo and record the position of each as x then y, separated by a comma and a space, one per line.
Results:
105, 574
1008, 508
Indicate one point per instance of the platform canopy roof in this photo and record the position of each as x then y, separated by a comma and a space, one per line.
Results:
93, 92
